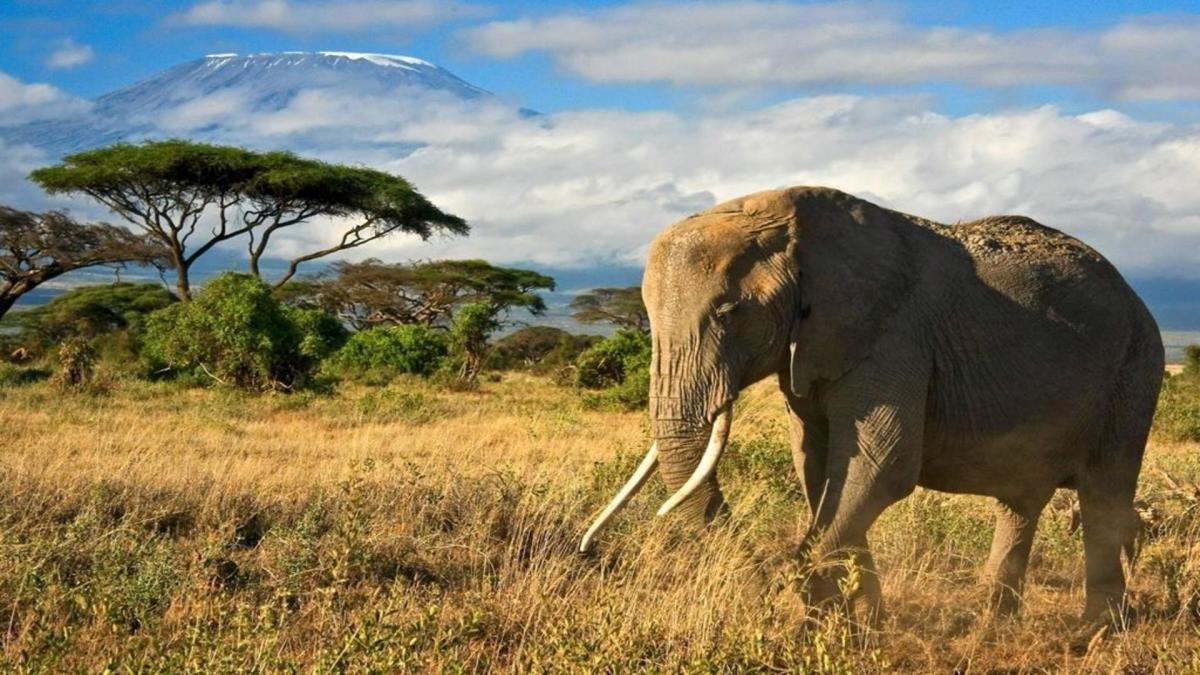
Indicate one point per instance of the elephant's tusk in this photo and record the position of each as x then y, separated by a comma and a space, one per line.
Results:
707, 465
634, 483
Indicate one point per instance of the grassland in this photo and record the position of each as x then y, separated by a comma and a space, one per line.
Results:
153, 528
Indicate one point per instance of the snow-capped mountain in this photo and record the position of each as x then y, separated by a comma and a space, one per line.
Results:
189, 99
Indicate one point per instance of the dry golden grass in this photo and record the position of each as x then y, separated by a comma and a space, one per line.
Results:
157, 529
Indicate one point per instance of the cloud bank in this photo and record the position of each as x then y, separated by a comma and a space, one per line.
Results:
784, 43
21, 102
591, 187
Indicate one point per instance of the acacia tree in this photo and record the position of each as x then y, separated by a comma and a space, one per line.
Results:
622, 307
372, 293
38, 247
191, 197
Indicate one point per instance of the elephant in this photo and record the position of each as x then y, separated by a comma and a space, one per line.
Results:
998, 357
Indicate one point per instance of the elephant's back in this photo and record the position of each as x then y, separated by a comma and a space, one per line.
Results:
1018, 242
1039, 304
1048, 273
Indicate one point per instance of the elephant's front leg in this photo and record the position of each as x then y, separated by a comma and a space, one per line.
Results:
1016, 525
810, 446
876, 427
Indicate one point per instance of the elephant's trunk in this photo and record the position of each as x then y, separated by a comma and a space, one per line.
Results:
704, 475
687, 456
690, 421
688, 442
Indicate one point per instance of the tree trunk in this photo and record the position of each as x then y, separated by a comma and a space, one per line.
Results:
13, 290
7, 300
183, 284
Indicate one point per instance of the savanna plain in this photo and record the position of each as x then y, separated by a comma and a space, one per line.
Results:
149, 527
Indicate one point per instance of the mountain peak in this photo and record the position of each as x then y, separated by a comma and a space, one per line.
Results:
258, 83
386, 60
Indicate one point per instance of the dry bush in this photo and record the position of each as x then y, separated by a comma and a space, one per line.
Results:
413, 528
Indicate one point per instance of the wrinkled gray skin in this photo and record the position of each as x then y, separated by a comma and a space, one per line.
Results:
998, 357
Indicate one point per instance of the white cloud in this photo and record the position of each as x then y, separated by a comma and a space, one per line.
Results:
589, 186
21, 102
16, 161
785, 43
70, 54
311, 16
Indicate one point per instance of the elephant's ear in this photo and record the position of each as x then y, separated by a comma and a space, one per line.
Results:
855, 272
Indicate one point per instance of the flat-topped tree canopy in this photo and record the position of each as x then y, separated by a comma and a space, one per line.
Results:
159, 168
372, 293
291, 189
166, 188
621, 307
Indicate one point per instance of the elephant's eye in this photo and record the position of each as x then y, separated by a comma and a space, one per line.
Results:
724, 310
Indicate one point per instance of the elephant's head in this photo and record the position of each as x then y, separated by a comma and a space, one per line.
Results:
797, 282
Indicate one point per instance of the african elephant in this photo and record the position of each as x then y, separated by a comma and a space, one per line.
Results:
998, 357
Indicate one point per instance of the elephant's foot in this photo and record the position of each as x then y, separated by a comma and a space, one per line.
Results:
1103, 616
1004, 600
849, 589
1111, 610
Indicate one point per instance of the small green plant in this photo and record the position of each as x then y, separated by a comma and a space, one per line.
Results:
76, 364
1178, 415
377, 355
473, 325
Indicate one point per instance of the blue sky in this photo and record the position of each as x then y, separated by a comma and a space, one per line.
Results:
132, 39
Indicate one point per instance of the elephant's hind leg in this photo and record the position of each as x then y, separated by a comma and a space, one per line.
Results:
1109, 525
1107, 488
1016, 524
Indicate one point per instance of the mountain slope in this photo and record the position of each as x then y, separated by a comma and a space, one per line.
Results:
255, 83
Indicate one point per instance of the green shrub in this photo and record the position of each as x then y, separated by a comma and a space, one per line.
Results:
92, 311
321, 334
111, 316
382, 353
1178, 414
607, 363
620, 364
538, 349
633, 393
236, 332
1191, 361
